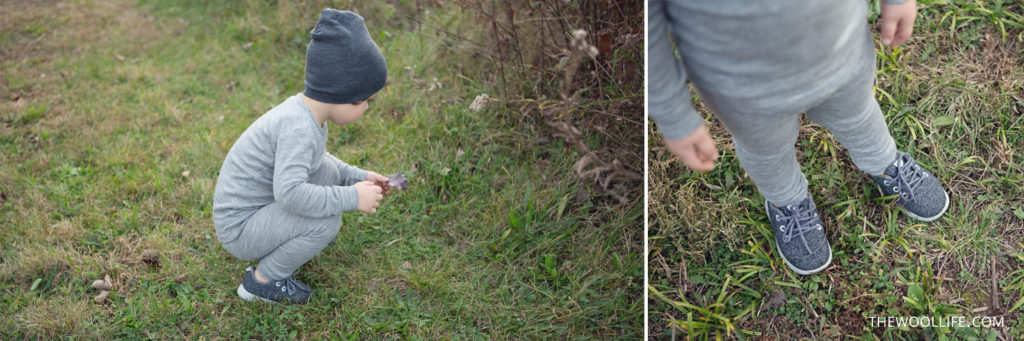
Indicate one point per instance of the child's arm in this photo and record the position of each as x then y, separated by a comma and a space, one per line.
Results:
293, 158
349, 174
669, 97
897, 21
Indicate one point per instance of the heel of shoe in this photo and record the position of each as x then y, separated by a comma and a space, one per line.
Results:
245, 294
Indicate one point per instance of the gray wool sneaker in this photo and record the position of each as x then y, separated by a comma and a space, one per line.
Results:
800, 236
287, 289
921, 195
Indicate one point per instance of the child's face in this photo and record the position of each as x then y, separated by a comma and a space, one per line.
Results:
347, 113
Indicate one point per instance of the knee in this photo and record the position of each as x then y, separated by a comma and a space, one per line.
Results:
327, 228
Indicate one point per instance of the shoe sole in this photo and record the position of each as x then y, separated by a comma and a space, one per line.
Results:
920, 218
790, 265
246, 295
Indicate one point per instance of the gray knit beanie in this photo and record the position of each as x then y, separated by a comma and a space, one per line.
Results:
343, 64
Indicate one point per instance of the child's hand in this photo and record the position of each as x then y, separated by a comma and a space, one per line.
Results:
379, 180
697, 151
897, 22
369, 196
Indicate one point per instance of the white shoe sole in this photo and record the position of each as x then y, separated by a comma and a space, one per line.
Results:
246, 295
790, 265
920, 218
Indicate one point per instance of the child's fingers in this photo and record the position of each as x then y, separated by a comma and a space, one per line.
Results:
707, 149
380, 197
888, 30
905, 29
695, 162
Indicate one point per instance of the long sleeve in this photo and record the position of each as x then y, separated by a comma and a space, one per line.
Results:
669, 99
349, 174
293, 158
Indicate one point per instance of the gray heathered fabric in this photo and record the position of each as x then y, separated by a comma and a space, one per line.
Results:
281, 240
800, 234
920, 191
760, 57
758, 65
272, 162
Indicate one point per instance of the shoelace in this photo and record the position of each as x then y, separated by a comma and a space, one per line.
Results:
289, 285
907, 178
797, 222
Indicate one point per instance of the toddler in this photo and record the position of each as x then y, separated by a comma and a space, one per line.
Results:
280, 195
758, 65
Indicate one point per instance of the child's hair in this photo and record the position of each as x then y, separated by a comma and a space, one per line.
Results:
343, 64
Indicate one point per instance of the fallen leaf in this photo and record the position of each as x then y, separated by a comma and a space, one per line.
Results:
604, 42
778, 299
406, 265
102, 297
119, 57
185, 174
101, 285
459, 153
151, 257
398, 181
180, 278
246, 46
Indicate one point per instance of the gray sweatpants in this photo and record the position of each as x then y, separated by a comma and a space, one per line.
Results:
282, 241
765, 143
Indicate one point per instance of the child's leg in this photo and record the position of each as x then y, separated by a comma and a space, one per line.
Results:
283, 241
765, 148
854, 118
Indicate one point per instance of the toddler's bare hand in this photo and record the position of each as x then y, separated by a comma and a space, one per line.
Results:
379, 180
898, 22
697, 151
369, 196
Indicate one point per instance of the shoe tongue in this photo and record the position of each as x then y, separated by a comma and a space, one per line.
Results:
789, 210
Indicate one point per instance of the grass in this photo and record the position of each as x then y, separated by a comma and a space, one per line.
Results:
116, 116
953, 97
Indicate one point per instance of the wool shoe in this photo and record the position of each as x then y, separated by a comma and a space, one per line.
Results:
287, 289
800, 236
921, 195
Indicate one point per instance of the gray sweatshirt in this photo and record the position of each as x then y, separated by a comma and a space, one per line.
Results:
749, 57
271, 162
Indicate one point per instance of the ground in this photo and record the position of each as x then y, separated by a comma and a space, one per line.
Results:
116, 115
954, 98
